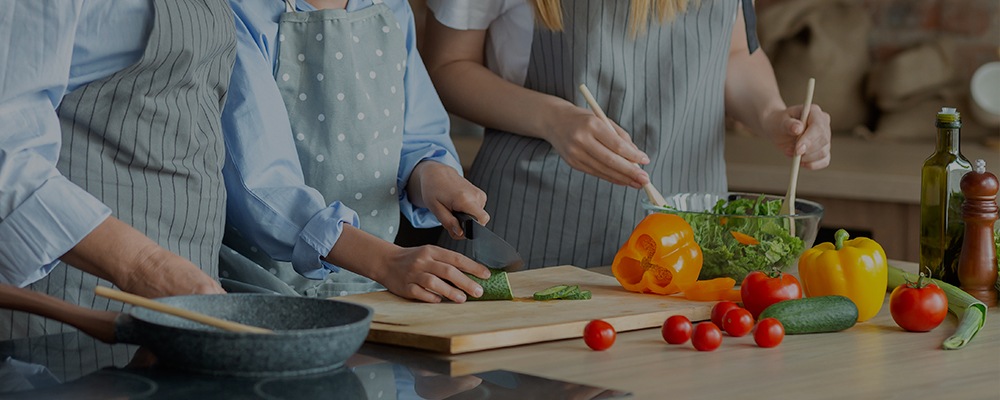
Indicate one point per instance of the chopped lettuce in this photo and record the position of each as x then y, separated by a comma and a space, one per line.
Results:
724, 256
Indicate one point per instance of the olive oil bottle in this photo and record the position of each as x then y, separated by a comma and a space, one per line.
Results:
941, 225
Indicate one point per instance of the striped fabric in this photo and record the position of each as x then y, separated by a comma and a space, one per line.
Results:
665, 88
147, 142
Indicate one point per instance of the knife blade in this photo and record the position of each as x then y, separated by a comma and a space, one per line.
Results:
488, 248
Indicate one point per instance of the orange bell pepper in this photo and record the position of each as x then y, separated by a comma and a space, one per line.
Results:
660, 256
709, 290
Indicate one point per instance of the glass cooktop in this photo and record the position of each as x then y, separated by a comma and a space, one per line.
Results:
76, 366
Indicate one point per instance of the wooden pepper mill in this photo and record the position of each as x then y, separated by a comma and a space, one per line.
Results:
977, 263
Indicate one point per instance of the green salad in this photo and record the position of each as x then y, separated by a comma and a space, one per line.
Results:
725, 256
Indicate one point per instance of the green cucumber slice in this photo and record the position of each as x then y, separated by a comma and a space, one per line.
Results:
580, 295
551, 293
495, 288
562, 292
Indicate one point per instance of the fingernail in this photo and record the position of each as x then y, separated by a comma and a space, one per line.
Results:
478, 292
645, 159
460, 298
801, 149
457, 231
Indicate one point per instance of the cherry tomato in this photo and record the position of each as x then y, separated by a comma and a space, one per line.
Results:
917, 307
769, 332
737, 322
760, 290
720, 309
599, 335
676, 329
707, 337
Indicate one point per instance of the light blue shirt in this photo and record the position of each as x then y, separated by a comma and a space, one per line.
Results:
52, 48
269, 203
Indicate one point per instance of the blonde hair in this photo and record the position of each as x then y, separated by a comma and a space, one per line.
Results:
549, 13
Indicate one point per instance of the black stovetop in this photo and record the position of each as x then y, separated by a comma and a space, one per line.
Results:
75, 366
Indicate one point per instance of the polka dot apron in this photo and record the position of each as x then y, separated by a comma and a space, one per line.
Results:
340, 75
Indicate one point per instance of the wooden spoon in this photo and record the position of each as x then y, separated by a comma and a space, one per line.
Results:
788, 207
654, 195
177, 312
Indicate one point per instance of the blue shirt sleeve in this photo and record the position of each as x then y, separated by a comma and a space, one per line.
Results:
42, 214
269, 202
425, 124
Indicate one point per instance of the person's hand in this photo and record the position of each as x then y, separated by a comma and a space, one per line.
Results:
588, 145
442, 190
162, 273
812, 143
427, 273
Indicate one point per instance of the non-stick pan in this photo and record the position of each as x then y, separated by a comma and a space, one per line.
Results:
312, 335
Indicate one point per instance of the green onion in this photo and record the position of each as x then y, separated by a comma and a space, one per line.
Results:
971, 313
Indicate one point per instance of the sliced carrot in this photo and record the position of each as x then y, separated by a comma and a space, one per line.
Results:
744, 238
709, 290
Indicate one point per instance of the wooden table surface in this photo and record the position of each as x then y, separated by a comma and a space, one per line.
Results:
872, 360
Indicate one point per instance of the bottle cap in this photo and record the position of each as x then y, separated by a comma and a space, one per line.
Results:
949, 115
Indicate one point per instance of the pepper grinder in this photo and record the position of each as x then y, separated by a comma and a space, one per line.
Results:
977, 263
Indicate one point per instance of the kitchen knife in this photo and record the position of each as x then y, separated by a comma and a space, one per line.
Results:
488, 248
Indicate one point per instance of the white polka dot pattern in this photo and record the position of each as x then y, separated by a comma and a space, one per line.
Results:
348, 132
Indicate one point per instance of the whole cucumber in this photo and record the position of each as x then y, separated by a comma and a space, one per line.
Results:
813, 314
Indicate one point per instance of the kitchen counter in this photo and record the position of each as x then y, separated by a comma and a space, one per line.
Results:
873, 360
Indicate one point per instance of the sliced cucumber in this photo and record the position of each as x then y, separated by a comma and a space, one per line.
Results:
551, 293
581, 295
495, 288
562, 292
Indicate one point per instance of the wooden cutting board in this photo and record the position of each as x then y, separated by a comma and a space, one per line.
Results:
472, 326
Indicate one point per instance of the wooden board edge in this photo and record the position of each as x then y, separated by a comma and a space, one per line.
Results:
567, 330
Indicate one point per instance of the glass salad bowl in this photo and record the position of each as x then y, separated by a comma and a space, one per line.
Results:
743, 232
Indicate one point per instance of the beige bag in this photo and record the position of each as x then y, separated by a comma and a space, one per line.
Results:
827, 40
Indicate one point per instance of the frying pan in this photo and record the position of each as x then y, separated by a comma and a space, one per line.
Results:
311, 335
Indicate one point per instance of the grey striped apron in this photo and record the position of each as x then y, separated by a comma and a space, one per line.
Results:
340, 75
664, 87
147, 142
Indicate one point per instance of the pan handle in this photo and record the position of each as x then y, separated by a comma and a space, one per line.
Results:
98, 324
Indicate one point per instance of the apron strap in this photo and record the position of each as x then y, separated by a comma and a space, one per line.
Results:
750, 21
289, 5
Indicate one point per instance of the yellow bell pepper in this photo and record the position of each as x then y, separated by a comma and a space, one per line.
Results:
855, 268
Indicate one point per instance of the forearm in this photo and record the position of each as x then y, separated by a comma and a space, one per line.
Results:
473, 92
361, 253
752, 90
112, 251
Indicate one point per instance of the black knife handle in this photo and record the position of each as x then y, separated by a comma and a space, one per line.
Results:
466, 221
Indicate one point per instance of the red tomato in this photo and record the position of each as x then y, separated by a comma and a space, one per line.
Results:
918, 309
707, 337
599, 335
720, 309
760, 290
676, 329
769, 332
737, 322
